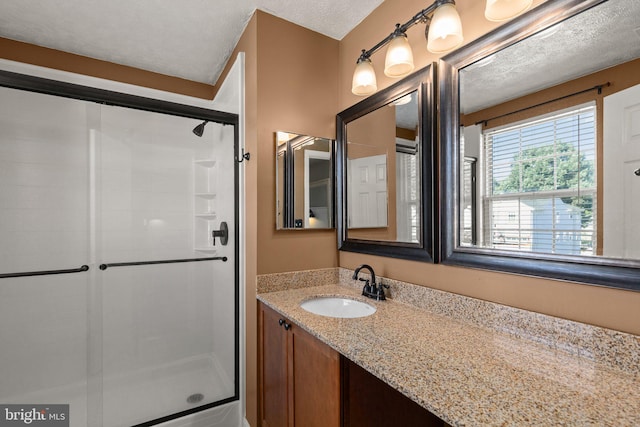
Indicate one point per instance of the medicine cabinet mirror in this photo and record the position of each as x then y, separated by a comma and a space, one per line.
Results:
384, 171
540, 137
304, 182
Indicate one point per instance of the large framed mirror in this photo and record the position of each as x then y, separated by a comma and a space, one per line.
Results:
384, 171
304, 182
540, 137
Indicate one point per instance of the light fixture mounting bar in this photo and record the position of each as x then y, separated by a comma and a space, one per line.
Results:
421, 16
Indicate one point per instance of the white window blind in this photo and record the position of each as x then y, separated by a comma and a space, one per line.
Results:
540, 184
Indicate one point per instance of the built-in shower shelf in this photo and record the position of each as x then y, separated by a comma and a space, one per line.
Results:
207, 249
207, 196
206, 216
207, 163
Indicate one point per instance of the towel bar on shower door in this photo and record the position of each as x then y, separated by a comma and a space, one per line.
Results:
166, 261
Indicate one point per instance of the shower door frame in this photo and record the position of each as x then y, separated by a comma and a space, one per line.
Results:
118, 99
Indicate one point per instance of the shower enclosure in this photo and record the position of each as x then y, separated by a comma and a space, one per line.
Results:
115, 296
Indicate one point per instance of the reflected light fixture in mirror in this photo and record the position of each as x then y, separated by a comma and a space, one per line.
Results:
502, 10
443, 32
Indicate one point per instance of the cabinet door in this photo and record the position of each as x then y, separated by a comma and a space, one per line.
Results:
299, 376
314, 368
273, 369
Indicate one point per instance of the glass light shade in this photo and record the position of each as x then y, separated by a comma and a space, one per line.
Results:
364, 79
445, 30
501, 10
399, 60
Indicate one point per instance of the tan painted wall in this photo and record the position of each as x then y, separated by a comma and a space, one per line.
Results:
56, 59
616, 309
297, 92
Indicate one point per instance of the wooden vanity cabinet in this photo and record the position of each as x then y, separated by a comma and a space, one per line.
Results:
299, 376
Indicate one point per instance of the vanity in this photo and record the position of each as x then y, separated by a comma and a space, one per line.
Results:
458, 182
453, 360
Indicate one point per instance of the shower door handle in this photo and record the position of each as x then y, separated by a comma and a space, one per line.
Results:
45, 272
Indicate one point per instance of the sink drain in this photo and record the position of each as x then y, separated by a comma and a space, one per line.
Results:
195, 398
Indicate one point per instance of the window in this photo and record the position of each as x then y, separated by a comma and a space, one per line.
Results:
407, 194
540, 189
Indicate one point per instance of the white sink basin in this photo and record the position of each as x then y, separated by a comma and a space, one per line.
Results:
338, 307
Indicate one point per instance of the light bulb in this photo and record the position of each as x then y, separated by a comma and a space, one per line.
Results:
399, 59
364, 78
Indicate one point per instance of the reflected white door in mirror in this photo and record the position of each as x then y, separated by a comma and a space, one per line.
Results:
621, 198
367, 177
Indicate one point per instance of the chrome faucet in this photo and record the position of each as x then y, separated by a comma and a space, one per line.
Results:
370, 289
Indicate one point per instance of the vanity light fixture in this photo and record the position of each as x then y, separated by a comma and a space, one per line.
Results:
443, 32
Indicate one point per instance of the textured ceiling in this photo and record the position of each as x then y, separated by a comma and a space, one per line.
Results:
599, 38
192, 39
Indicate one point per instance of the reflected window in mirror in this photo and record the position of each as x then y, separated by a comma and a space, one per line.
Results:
385, 149
537, 188
304, 181
540, 147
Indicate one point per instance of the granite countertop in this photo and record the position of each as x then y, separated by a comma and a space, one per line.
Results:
465, 374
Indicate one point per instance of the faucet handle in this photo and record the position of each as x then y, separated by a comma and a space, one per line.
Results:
367, 287
380, 291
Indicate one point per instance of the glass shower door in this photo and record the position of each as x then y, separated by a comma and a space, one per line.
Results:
44, 228
168, 328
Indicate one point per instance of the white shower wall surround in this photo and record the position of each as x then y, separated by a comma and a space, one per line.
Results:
87, 184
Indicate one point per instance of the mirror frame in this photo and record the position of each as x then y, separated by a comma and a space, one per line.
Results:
422, 81
610, 272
